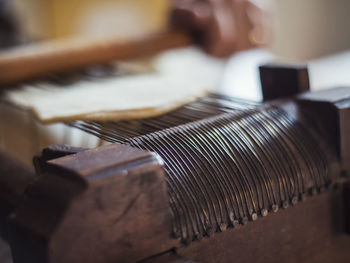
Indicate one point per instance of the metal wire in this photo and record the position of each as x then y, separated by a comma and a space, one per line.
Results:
230, 168
122, 131
226, 162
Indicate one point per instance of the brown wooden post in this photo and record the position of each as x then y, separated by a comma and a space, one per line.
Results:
109, 204
278, 81
330, 111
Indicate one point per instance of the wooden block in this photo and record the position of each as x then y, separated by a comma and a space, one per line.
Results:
278, 81
330, 111
109, 204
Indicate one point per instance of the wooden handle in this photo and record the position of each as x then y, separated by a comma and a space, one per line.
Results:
56, 56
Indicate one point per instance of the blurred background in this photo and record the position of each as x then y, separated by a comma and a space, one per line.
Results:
44, 19
300, 29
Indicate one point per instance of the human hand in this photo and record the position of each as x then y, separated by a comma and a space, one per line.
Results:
221, 26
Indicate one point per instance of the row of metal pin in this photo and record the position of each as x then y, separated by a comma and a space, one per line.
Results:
122, 131
225, 170
229, 169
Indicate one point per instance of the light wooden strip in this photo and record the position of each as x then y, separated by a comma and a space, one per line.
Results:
56, 56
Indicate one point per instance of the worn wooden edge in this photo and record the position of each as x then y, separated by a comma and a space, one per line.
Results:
52, 152
81, 198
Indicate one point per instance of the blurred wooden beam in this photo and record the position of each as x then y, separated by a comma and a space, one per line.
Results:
40, 59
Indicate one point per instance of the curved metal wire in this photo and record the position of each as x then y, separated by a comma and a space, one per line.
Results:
226, 162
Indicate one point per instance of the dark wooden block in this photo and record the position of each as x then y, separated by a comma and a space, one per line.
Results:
330, 111
278, 81
108, 204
